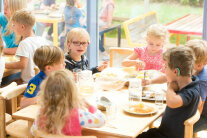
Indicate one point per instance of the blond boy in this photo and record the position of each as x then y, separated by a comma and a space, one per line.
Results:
22, 23
200, 70
182, 96
48, 59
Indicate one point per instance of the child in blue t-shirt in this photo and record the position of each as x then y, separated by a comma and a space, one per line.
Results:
48, 59
182, 96
10, 6
200, 69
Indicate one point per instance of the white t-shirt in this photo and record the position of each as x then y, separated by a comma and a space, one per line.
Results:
27, 48
2, 67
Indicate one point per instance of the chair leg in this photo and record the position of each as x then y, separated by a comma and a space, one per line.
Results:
195, 135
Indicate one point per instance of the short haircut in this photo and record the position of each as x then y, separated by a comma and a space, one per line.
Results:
70, 3
47, 55
24, 17
180, 57
158, 31
199, 47
79, 33
1, 45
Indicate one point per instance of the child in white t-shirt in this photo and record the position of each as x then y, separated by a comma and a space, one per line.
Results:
22, 23
2, 62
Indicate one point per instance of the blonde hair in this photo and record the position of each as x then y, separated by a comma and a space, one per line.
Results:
70, 3
180, 57
14, 5
24, 17
200, 49
1, 45
47, 55
58, 96
159, 31
77, 33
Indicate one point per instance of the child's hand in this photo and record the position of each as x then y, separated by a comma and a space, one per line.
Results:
173, 85
140, 64
102, 66
146, 82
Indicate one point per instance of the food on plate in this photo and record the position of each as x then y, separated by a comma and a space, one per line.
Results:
141, 75
130, 72
141, 108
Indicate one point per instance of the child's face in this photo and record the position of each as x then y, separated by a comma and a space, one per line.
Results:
78, 46
7, 11
58, 66
17, 27
154, 44
170, 74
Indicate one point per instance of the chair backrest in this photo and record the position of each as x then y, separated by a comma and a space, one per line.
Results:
189, 124
121, 53
11, 85
10, 93
135, 28
40, 134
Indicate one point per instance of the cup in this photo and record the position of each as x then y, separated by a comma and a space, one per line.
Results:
86, 82
111, 112
135, 91
159, 97
76, 73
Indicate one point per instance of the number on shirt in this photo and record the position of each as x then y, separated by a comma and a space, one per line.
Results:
31, 89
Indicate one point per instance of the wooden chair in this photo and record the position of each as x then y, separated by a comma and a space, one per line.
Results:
135, 28
15, 128
40, 134
189, 124
120, 51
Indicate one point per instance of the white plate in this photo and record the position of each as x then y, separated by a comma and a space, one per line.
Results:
126, 109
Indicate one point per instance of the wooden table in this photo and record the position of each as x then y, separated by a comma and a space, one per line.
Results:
127, 125
7, 72
190, 24
54, 20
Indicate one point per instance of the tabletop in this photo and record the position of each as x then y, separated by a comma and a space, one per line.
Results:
125, 124
188, 24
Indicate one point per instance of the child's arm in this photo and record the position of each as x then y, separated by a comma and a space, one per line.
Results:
10, 51
91, 117
158, 80
102, 66
131, 60
173, 100
18, 65
27, 101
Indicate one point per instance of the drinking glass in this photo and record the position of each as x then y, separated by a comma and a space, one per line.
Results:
159, 97
135, 91
86, 82
76, 73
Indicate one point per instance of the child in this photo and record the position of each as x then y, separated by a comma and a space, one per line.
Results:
182, 96
10, 6
48, 59
200, 69
62, 111
23, 22
77, 41
149, 57
2, 62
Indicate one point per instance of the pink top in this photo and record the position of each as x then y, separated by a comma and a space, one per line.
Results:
152, 62
104, 9
78, 118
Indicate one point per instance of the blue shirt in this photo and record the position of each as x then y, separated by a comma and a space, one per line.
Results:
75, 16
203, 89
9, 39
33, 85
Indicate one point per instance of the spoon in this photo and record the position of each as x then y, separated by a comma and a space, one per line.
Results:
105, 101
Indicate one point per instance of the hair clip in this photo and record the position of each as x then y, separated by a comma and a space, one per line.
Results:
178, 70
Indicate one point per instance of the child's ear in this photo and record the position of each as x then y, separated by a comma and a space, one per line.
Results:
47, 68
177, 71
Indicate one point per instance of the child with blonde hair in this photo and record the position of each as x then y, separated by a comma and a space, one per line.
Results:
149, 57
200, 70
182, 96
9, 37
62, 110
47, 59
23, 22
2, 62
77, 42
